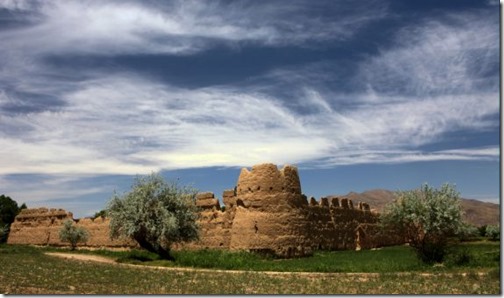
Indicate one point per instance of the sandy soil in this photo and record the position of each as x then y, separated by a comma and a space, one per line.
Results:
80, 257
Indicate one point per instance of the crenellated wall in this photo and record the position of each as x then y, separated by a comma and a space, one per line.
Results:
265, 212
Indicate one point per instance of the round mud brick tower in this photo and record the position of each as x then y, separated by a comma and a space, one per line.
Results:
269, 214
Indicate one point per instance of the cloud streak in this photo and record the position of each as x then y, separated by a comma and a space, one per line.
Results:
176, 27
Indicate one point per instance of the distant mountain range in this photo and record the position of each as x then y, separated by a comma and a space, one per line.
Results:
476, 212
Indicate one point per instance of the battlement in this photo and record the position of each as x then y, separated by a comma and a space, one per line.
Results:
266, 178
42, 213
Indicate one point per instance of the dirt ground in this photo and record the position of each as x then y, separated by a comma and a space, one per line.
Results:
80, 257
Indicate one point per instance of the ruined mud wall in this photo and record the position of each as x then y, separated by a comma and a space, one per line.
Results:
268, 213
370, 236
215, 225
41, 226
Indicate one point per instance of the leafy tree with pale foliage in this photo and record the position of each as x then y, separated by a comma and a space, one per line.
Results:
155, 214
426, 217
493, 232
72, 234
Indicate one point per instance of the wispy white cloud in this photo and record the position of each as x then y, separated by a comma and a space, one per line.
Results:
125, 124
452, 56
17, 5
129, 125
175, 27
378, 156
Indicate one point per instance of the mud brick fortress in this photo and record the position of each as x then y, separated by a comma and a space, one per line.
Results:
265, 212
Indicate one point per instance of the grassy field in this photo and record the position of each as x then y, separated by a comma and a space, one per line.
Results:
471, 269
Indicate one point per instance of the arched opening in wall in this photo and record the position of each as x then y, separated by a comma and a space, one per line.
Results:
239, 202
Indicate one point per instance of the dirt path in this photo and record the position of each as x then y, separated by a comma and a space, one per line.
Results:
92, 258
81, 257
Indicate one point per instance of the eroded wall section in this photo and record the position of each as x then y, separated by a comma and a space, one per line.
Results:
41, 226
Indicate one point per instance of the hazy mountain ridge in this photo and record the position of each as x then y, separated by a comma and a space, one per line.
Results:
476, 212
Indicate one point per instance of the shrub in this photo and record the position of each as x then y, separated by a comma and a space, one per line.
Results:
101, 213
72, 234
155, 213
468, 232
426, 217
493, 232
459, 257
482, 230
4, 231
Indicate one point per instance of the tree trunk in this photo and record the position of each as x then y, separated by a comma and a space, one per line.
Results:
163, 253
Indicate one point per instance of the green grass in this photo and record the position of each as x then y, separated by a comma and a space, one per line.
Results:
466, 255
27, 270
391, 259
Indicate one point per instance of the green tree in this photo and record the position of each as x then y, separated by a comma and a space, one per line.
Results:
426, 217
467, 232
4, 231
8, 211
493, 232
72, 234
101, 213
155, 213
482, 230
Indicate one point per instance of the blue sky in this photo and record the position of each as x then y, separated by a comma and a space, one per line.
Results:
358, 94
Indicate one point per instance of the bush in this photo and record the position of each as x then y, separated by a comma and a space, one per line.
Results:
468, 232
459, 257
101, 213
155, 213
4, 231
482, 230
72, 234
493, 232
426, 217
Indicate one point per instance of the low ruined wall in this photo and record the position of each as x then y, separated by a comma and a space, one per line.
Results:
215, 225
41, 226
370, 236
